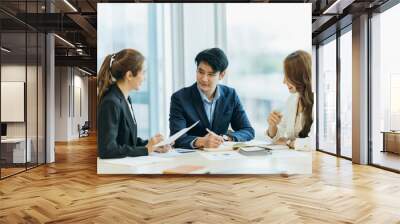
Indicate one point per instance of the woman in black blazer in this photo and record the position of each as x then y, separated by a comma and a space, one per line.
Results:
119, 74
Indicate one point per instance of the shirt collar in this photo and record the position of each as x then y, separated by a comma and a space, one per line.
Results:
204, 97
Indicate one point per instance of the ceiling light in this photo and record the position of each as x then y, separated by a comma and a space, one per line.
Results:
64, 40
337, 7
84, 71
5, 50
70, 5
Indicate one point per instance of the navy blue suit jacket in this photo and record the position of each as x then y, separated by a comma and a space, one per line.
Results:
187, 108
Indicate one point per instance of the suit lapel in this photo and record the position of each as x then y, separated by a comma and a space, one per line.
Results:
126, 111
198, 105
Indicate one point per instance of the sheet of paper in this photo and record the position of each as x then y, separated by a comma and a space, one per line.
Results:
171, 153
174, 137
277, 147
185, 150
227, 146
223, 147
225, 155
259, 142
134, 161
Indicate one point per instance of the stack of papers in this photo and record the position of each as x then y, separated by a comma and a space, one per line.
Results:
254, 151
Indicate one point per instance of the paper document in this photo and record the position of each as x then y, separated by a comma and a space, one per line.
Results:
180, 150
227, 146
171, 153
277, 147
222, 155
174, 137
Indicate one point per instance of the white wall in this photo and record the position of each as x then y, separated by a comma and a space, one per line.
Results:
16, 73
70, 83
33, 127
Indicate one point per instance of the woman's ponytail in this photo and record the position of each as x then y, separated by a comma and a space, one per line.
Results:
104, 79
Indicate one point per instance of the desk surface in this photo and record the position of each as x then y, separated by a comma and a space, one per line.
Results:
280, 161
13, 140
391, 132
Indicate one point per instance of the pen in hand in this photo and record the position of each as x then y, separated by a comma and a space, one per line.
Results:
212, 133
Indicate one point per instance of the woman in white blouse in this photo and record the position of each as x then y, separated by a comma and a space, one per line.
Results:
296, 119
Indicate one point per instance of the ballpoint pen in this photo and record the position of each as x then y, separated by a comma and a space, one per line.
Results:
224, 137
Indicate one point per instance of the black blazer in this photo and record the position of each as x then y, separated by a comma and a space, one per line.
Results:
116, 129
187, 108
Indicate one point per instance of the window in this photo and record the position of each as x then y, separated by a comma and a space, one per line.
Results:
22, 73
346, 94
385, 88
327, 97
130, 30
257, 44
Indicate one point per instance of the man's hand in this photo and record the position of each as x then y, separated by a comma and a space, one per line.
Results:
211, 140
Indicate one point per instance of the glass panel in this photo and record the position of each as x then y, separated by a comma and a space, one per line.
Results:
327, 97
31, 87
260, 62
386, 89
41, 98
346, 94
113, 37
31, 97
13, 85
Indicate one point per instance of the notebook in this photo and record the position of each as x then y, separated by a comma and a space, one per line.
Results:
254, 151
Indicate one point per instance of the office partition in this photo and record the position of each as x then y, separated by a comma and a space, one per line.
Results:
22, 76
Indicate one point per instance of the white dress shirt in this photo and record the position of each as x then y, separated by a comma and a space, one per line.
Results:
292, 124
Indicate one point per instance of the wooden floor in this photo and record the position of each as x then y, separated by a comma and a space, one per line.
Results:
387, 159
70, 191
5, 172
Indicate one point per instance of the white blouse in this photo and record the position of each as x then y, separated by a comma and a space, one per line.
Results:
131, 110
292, 124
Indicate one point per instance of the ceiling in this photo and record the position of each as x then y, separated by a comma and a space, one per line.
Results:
76, 22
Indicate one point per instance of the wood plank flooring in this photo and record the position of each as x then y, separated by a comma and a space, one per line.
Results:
70, 191
387, 159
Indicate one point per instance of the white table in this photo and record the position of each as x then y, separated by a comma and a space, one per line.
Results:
280, 161
18, 149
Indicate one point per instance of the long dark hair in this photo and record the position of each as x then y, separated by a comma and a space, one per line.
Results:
297, 67
115, 66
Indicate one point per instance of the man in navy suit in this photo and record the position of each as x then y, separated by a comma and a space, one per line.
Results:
215, 105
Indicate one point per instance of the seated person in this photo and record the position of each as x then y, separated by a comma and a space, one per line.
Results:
119, 75
294, 124
215, 105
